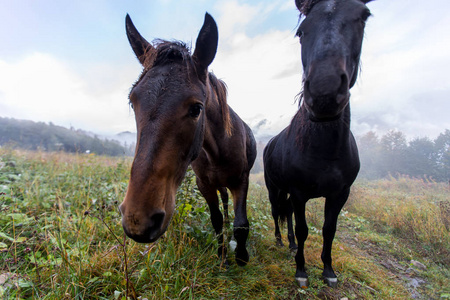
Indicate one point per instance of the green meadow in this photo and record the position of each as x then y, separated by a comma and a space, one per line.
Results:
61, 238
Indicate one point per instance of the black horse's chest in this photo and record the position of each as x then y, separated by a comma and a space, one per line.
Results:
319, 171
318, 179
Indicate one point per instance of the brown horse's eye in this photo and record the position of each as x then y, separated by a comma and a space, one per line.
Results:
195, 110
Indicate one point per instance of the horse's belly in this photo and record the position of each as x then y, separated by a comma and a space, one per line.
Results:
320, 182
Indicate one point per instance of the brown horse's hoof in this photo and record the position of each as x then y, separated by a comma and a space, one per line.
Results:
302, 282
331, 282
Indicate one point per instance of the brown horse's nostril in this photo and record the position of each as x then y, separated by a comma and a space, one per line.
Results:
154, 226
144, 231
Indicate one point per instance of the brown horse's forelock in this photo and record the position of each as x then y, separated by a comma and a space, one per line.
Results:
166, 52
163, 52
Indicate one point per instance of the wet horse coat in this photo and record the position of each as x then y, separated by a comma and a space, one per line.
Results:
182, 118
316, 155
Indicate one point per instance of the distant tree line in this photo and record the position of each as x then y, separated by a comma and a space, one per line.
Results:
392, 155
49, 137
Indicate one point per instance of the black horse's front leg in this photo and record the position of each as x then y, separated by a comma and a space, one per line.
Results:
333, 206
301, 232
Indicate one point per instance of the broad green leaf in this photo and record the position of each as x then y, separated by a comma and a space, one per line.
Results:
5, 236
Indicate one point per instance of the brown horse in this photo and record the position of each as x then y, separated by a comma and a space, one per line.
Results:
316, 155
182, 117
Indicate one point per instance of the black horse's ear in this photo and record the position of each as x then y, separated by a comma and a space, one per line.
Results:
139, 45
304, 6
299, 4
206, 46
366, 1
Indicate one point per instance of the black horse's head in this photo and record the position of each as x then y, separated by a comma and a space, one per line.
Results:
331, 38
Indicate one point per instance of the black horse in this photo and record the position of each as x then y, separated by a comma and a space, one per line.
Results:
316, 155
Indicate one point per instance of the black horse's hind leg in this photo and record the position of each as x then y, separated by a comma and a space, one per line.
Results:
212, 199
333, 206
275, 197
301, 232
291, 236
241, 225
224, 197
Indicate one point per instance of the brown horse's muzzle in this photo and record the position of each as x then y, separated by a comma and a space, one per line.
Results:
145, 220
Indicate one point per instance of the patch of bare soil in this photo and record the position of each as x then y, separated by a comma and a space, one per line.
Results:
401, 270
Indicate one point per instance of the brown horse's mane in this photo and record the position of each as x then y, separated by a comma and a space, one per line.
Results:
170, 51
220, 90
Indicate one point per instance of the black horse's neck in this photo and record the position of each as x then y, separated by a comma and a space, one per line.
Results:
326, 138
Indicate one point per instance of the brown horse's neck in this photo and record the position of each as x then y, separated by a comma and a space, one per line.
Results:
218, 123
215, 129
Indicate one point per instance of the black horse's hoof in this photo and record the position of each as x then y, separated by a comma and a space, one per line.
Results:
331, 282
302, 282
293, 247
242, 256
224, 264
279, 243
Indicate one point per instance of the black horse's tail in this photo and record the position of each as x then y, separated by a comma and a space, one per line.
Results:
285, 209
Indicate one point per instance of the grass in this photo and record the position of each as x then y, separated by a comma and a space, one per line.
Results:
61, 238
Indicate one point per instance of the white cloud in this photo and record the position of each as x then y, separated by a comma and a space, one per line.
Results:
404, 58
234, 17
263, 73
403, 84
42, 88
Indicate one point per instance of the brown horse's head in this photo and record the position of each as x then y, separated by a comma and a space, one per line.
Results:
331, 37
168, 102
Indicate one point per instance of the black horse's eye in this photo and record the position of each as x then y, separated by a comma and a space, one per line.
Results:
195, 110
365, 15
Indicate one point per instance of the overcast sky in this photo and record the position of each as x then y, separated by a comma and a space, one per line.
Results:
69, 62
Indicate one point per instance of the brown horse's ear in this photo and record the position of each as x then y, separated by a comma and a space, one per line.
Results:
140, 45
206, 46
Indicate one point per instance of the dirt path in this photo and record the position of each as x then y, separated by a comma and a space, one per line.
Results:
403, 271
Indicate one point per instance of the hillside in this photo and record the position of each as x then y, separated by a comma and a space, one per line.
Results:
31, 135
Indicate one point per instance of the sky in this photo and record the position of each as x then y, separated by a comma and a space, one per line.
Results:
70, 63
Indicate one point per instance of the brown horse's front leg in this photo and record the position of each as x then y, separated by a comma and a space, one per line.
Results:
241, 225
212, 199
